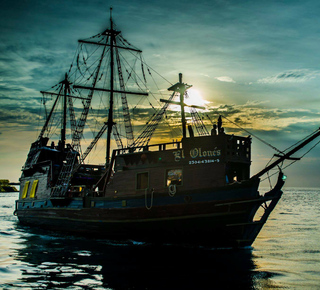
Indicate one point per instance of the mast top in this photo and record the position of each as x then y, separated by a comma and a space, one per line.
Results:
109, 31
180, 86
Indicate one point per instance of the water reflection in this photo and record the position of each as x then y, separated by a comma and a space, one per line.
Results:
285, 255
55, 261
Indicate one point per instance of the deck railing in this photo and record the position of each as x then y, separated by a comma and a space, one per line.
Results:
153, 147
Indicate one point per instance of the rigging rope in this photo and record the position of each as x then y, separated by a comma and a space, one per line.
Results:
146, 199
282, 152
295, 160
150, 68
301, 140
266, 143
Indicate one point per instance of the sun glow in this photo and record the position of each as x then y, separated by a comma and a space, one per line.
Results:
195, 98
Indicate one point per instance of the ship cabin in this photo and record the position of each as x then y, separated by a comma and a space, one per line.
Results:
43, 166
41, 155
195, 163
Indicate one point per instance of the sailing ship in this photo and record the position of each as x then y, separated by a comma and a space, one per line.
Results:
195, 189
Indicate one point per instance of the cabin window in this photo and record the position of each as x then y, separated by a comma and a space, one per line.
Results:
142, 180
174, 176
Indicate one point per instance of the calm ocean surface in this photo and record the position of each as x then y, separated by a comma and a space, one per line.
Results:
286, 255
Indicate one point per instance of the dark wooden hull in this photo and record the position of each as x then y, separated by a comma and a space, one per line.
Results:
185, 218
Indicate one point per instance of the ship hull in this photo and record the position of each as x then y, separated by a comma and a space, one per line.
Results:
162, 219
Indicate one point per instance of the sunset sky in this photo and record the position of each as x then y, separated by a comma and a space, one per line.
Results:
255, 62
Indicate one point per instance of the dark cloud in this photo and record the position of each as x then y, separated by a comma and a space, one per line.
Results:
17, 120
10, 89
43, 59
301, 75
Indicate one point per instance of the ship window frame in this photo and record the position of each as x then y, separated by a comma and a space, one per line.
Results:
139, 185
34, 188
25, 190
166, 177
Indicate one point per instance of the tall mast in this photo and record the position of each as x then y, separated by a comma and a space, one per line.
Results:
65, 90
183, 88
110, 122
180, 88
111, 44
66, 84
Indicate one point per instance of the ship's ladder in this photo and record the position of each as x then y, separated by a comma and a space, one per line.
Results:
117, 137
200, 127
62, 184
144, 138
125, 107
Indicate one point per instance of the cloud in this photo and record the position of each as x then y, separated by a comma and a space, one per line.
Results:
225, 79
291, 76
256, 116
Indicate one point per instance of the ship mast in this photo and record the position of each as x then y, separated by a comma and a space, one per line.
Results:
66, 85
112, 34
110, 122
181, 88
65, 90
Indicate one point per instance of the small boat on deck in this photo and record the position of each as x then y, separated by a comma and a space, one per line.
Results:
197, 189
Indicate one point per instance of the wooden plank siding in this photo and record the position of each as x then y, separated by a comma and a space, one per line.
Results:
205, 162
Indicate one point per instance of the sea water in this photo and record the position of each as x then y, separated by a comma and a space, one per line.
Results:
286, 255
